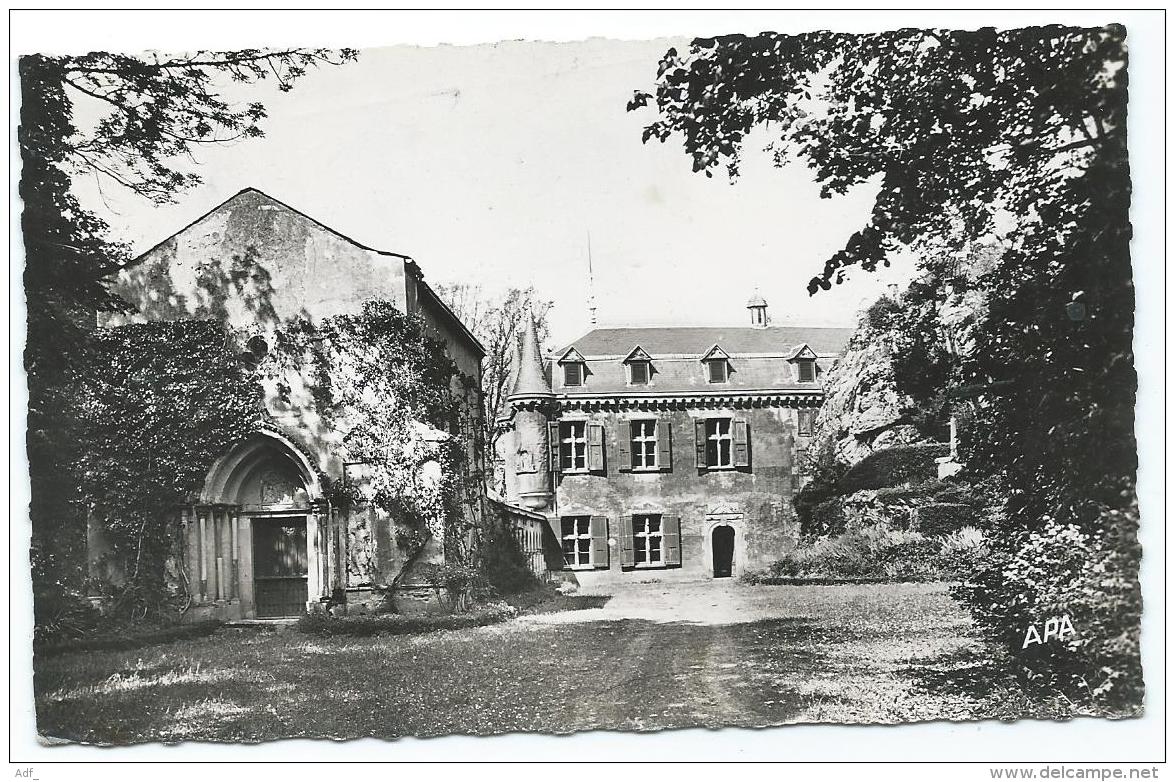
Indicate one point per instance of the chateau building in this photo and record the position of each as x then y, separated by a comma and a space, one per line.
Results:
667, 453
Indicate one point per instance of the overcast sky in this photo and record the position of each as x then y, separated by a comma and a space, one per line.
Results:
493, 164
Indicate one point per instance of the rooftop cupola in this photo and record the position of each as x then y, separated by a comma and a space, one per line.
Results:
758, 307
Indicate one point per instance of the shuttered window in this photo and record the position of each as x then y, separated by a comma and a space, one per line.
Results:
599, 531
595, 437
643, 436
646, 533
664, 446
638, 373
627, 553
577, 541
573, 374
573, 446
649, 540
719, 443
644, 446
805, 422
722, 443
671, 539
585, 542
740, 434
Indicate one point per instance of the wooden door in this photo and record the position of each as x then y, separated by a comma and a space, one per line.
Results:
279, 566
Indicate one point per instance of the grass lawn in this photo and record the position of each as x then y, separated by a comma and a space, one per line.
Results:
876, 653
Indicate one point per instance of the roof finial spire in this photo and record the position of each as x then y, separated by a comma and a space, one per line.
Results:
591, 282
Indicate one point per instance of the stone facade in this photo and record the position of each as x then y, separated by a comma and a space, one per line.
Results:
262, 537
674, 469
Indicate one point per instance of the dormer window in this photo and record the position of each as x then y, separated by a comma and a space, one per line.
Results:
640, 367
806, 370
574, 368
717, 364
804, 360
573, 374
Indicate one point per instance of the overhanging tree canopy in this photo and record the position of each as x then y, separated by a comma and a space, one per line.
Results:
963, 129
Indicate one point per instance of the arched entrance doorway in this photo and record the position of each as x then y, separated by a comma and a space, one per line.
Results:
722, 541
257, 541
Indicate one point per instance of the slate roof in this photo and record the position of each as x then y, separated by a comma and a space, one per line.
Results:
530, 381
696, 340
758, 360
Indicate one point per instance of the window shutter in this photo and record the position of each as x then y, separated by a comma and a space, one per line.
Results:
599, 532
553, 441
671, 539
700, 441
664, 446
627, 558
624, 443
595, 434
742, 443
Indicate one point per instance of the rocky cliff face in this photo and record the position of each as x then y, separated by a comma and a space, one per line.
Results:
862, 409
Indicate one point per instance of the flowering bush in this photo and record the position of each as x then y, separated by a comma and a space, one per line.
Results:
1091, 577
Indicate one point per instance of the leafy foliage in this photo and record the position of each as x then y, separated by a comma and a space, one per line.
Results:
869, 552
157, 404
1012, 110
896, 466
375, 378
156, 108
503, 563
818, 503
498, 323
60, 614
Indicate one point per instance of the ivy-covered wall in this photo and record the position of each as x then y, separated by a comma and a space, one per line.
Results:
257, 316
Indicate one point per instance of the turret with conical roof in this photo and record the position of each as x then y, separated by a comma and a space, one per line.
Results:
531, 381
529, 406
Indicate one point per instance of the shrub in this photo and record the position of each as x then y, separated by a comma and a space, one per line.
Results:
871, 552
323, 624
815, 504
902, 464
1089, 575
547, 599
963, 552
60, 613
822, 519
455, 580
907, 494
880, 553
130, 637
939, 518
503, 565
